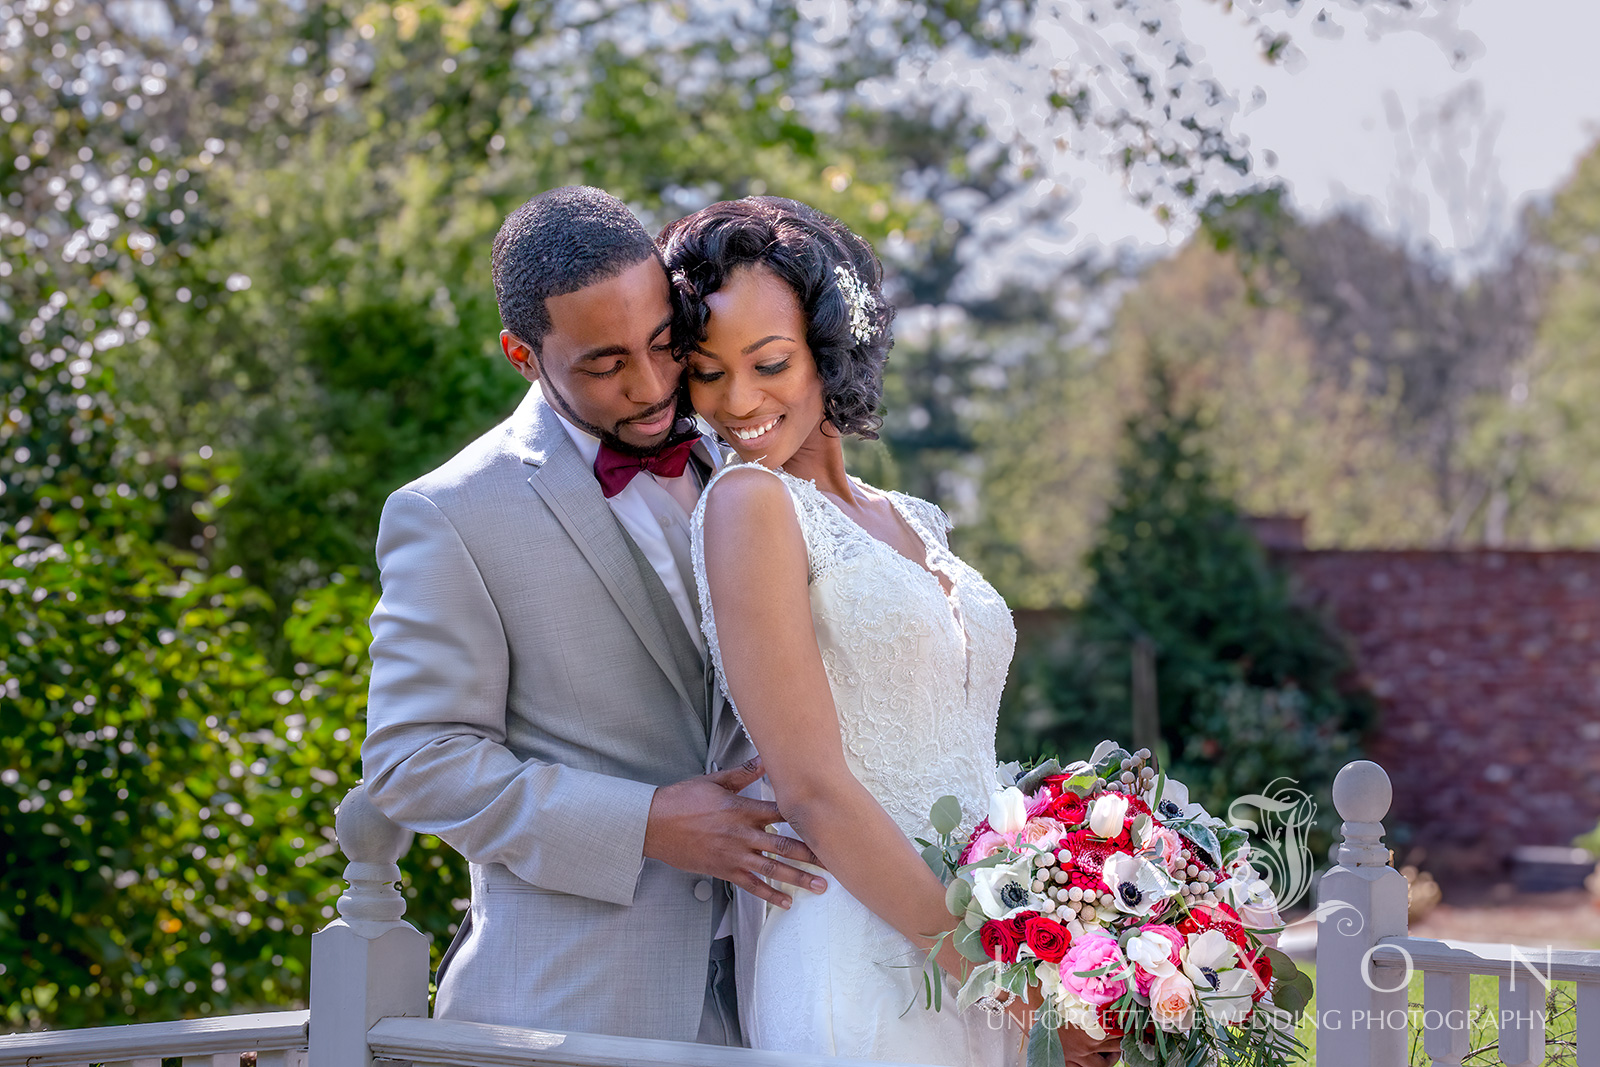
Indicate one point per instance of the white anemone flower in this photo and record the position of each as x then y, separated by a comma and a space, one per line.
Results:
1252, 898
1008, 811
1175, 804
1003, 891
1230, 1001
1137, 885
1207, 955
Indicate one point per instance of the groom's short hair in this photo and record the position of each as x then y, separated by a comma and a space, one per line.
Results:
557, 243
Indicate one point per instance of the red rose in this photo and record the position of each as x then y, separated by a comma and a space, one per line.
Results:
1263, 968
1048, 939
1000, 940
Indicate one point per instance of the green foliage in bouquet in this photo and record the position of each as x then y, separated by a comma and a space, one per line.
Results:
1252, 686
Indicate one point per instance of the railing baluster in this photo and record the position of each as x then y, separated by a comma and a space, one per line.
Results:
1446, 1000
1589, 1023
218, 1059
151, 1061
1521, 1021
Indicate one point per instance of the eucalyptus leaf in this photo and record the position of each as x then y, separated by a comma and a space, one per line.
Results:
933, 856
1135, 1053
970, 945
957, 895
945, 815
976, 985
1044, 1047
1294, 993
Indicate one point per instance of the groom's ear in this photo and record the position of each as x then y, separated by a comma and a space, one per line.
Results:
520, 355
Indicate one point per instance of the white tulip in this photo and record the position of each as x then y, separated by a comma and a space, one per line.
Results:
1008, 811
1107, 815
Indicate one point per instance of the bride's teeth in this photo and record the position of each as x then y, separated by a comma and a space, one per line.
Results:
751, 435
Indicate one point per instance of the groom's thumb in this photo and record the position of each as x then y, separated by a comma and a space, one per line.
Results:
736, 778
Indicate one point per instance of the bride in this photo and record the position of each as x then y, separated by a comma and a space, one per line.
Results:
865, 660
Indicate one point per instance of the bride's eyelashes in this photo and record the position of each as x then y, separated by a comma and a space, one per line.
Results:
765, 369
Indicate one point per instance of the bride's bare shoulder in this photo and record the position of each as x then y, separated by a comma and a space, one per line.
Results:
749, 500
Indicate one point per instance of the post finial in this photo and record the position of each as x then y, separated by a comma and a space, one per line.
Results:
373, 844
1362, 794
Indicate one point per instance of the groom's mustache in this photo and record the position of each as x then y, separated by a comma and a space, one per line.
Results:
670, 403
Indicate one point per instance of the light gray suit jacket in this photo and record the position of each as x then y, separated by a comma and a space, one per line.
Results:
532, 684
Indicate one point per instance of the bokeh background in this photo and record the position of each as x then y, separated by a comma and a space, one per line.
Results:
1346, 270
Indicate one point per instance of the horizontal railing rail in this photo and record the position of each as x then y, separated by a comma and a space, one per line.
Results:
446, 1043
1496, 960
278, 1038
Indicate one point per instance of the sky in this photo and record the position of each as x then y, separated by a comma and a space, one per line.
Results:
1330, 127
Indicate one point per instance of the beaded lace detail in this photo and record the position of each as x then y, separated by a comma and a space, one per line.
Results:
916, 673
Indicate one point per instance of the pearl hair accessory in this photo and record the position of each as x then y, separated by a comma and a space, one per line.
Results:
860, 301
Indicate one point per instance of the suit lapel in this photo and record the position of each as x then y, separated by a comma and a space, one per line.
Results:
568, 487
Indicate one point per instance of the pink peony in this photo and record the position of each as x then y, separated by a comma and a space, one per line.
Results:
1093, 952
985, 843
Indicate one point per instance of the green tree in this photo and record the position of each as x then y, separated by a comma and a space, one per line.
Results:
1251, 685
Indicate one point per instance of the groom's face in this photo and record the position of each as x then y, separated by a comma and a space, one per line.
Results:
606, 363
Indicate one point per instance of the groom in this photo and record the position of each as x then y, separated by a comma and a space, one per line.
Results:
540, 698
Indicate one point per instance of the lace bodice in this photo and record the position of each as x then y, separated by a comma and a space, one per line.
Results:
916, 673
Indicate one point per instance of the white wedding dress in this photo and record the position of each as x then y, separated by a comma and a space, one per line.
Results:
916, 677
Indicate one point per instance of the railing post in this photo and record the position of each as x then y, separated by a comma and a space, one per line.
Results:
1361, 1013
369, 963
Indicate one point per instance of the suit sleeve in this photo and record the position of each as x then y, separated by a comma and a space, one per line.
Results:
435, 759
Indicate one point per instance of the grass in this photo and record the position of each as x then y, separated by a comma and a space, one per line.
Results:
1560, 1024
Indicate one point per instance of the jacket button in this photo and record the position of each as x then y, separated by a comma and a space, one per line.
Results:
702, 890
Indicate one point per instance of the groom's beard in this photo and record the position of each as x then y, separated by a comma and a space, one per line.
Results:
683, 427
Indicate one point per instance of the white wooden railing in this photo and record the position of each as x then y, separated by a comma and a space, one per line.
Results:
1365, 959
369, 1001
369, 983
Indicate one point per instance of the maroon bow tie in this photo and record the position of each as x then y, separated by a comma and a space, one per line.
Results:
615, 470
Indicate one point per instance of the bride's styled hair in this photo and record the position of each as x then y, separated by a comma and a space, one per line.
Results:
833, 272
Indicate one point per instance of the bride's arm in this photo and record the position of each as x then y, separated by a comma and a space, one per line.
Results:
757, 573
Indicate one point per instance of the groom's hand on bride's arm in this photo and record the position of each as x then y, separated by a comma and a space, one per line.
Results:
703, 825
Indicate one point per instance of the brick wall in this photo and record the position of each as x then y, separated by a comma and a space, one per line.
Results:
1487, 665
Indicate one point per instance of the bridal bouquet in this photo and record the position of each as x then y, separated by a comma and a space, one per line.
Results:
1123, 909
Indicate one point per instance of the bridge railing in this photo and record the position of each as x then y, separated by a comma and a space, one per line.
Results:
1366, 957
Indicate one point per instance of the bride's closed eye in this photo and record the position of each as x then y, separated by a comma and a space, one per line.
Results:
770, 369
696, 375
